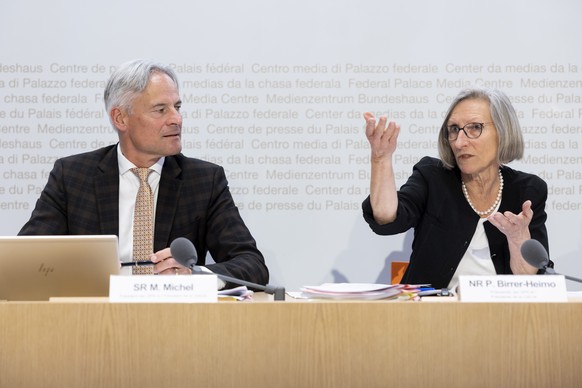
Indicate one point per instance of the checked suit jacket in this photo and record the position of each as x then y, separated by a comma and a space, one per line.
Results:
81, 197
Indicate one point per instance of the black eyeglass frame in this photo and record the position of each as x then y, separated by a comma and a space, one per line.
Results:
459, 129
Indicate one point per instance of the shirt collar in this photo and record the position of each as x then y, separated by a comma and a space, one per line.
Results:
125, 165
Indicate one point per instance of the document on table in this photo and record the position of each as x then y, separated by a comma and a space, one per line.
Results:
367, 291
237, 293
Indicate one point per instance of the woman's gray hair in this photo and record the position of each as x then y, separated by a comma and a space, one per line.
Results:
510, 139
130, 79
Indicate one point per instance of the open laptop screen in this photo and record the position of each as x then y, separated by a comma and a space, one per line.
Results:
41, 267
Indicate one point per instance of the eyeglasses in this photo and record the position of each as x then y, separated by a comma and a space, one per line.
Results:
472, 130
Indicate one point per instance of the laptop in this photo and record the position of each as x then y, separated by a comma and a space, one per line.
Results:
37, 268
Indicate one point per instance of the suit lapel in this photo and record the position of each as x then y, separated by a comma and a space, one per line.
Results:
107, 190
168, 195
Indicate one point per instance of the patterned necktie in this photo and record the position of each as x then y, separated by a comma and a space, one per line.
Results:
143, 223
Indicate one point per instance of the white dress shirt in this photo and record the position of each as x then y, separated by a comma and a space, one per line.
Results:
477, 258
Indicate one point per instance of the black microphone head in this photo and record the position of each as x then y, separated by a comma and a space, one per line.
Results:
184, 252
535, 254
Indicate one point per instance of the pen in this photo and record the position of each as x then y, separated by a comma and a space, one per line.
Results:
132, 263
426, 289
428, 292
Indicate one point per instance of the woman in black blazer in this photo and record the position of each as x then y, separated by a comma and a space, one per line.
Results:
470, 212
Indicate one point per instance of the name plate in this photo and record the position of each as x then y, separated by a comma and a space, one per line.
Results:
162, 289
513, 288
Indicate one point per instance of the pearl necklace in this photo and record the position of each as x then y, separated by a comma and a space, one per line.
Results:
495, 204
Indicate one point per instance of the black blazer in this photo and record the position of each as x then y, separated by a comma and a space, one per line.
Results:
82, 197
432, 202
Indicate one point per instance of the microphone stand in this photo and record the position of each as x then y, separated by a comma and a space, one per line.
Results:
550, 271
277, 292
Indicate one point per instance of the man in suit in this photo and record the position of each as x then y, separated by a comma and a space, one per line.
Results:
95, 192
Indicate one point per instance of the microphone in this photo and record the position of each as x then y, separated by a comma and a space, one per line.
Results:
184, 252
535, 254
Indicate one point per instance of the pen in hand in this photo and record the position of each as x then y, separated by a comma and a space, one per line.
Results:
133, 263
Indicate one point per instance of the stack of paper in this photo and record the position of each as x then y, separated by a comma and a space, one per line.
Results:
352, 291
